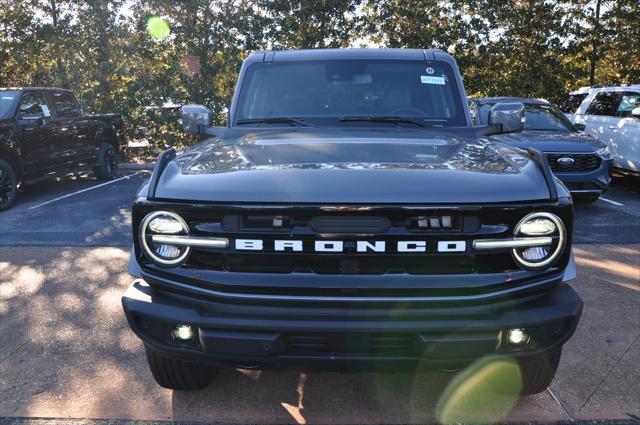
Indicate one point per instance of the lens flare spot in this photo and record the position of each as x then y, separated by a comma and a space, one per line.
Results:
158, 28
486, 391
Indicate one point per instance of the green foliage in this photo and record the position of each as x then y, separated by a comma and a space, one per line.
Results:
295, 24
117, 61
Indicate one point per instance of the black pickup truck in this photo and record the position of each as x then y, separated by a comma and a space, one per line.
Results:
349, 216
43, 132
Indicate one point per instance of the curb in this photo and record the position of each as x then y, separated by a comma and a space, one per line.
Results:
137, 166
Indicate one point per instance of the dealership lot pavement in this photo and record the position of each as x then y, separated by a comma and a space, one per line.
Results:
67, 352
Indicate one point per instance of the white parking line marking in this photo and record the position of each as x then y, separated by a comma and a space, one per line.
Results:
617, 204
83, 190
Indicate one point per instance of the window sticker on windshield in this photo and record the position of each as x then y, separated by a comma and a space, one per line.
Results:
7, 98
428, 79
45, 110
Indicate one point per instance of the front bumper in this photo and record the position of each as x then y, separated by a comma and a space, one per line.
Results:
256, 335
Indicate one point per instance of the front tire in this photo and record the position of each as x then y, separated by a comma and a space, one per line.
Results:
8, 185
177, 374
537, 373
107, 166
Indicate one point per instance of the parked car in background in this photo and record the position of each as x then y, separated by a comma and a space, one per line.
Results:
44, 132
579, 160
612, 115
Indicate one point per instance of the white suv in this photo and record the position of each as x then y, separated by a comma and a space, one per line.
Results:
612, 114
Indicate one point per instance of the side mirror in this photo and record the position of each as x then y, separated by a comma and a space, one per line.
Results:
635, 112
580, 127
194, 116
508, 117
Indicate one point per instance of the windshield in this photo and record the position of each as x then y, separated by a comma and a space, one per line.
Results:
323, 92
537, 117
8, 99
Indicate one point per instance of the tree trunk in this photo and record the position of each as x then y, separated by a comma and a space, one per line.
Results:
62, 73
594, 44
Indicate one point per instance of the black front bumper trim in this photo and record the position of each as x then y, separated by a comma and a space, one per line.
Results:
227, 334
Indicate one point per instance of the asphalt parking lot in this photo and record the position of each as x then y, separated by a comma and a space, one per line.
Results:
67, 352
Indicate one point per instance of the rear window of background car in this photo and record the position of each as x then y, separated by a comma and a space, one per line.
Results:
65, 104
571, 103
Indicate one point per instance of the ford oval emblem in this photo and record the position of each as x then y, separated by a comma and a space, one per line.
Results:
565, 161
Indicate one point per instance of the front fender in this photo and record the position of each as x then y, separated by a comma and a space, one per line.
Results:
134, 267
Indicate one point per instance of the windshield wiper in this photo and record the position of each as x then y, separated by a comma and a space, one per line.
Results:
273, 120
382, 118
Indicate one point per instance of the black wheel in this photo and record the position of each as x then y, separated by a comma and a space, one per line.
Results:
176, 374
537, 373
107, 166
586, 198
8, 185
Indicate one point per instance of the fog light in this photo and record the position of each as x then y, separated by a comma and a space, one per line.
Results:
182, 333
517, 336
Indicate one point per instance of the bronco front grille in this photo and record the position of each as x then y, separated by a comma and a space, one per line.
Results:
427, 227
351, 264
456, 270
581, 162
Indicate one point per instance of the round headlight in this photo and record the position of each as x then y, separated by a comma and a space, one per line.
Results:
550, 230
163, 223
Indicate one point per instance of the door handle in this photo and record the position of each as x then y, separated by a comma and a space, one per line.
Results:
613, 127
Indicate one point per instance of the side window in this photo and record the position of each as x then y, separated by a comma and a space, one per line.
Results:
605, 103
33, 104
628, 102
65, 104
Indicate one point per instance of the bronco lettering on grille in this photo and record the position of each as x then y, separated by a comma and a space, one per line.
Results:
351, 246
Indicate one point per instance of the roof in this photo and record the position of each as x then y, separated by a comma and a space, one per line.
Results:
506, 99
35, 88
350, 53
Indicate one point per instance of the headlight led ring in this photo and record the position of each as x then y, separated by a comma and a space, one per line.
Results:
559, 247
149, 252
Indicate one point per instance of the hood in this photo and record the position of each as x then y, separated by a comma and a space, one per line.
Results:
552, 141
352, 167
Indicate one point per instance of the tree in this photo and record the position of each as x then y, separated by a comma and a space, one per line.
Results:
105, 52
303, 24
